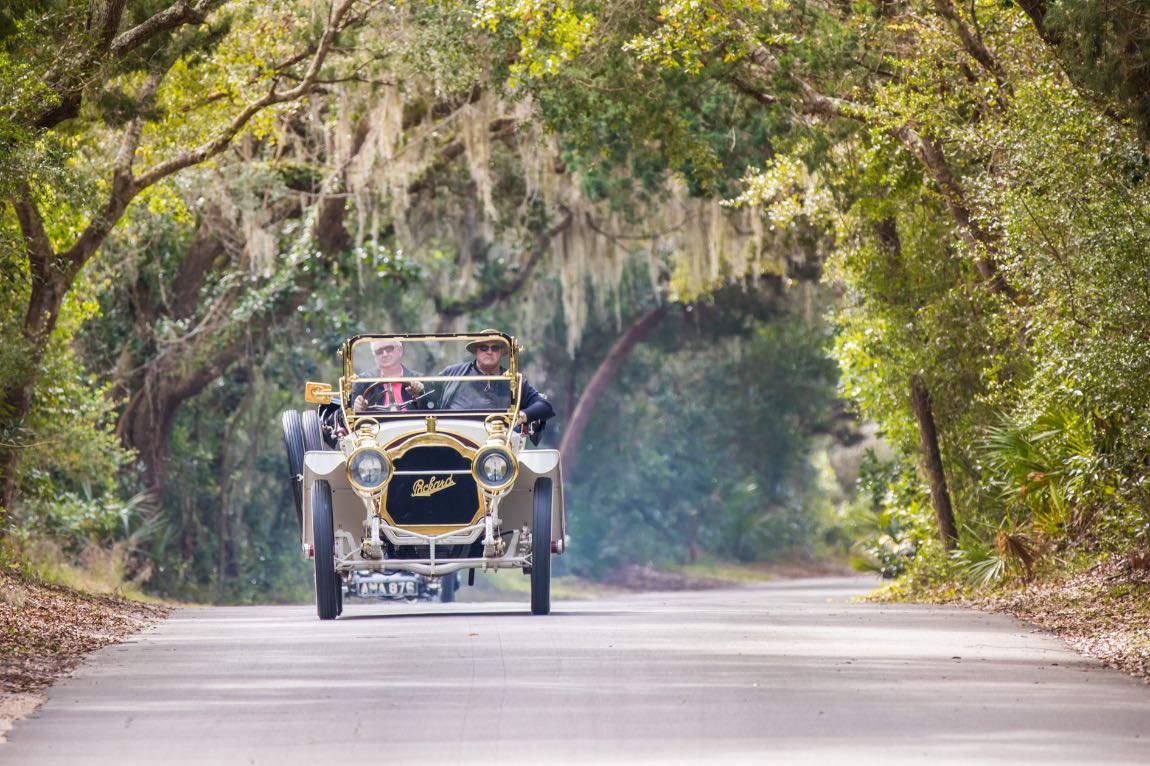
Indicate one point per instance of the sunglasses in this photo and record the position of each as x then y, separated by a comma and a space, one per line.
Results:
489, 347
384, 350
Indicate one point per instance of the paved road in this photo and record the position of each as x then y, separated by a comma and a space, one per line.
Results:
786, 673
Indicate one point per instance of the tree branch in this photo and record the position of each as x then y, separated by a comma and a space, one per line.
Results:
271, 98
973, 45
42, 263
931, 155
172, 17
928, 152
105, 17
492, 295
68, 78
639, 329
122, 190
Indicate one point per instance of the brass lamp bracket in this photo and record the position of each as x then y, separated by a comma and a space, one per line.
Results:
497, 427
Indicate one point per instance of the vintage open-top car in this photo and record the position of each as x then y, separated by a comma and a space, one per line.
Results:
423, 467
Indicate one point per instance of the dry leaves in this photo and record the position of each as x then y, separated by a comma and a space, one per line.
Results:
1103, 612
46, 630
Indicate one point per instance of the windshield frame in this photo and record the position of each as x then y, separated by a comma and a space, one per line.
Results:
350, 377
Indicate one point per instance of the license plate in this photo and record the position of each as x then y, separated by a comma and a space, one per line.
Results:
405, 588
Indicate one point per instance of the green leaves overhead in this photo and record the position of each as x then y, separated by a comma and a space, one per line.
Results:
971, 181
985, 216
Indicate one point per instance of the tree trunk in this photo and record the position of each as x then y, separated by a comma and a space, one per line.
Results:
147, 420
49, 278
932, 462
573, 434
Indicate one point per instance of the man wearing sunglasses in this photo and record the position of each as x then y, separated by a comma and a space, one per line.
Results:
388, 355
534, 409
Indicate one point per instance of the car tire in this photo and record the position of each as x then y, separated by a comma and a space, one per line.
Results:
541, 548
293, 442
312, 432
323, 538
447, 587
338, 595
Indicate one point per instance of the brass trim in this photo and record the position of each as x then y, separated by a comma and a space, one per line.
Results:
431, 424
434, 378
423, 439
405, 437
433, 529
512, 376
382, 489
514, 467
317, 393
497, 426
428, 487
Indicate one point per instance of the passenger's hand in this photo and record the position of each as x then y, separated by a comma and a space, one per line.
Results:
415, 388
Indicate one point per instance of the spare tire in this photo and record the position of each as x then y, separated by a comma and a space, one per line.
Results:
312, 432
294, 443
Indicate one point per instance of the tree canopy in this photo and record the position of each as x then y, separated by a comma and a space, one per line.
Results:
935, 212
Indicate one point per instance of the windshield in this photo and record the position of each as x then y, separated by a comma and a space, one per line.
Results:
387, 375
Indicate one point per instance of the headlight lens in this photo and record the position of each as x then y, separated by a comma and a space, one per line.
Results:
368, 469
495, 467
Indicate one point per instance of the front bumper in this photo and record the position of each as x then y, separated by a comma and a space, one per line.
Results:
514, 555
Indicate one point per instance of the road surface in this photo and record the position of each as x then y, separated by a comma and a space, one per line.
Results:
786, 673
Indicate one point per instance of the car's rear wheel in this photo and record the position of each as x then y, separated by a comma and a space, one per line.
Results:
293, 441
541, 548
447, 586
327, 591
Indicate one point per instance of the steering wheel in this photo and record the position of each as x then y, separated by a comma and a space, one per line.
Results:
374, 389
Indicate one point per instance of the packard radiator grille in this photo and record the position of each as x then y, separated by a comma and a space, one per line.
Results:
441, 491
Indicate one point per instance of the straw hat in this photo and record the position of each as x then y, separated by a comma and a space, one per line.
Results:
497, 338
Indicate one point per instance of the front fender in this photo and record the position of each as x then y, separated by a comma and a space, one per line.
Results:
535, 464
348, 508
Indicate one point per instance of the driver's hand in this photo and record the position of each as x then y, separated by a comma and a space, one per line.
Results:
360, 403
415, 388
522, 417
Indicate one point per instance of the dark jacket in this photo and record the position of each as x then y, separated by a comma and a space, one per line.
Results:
534, 404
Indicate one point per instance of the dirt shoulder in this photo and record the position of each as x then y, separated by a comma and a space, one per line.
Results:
47, 630
1103, 612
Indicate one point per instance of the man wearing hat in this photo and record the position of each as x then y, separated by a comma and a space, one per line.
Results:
534, 408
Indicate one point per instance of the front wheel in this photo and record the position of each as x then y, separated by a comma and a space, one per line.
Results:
541, 548
327, 586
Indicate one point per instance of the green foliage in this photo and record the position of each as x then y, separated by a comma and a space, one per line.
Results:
76, 521
1054, 471
822, 119
71, 455
890, 517
1104, 47
932, 576
227, 531
981, 566
712, 424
